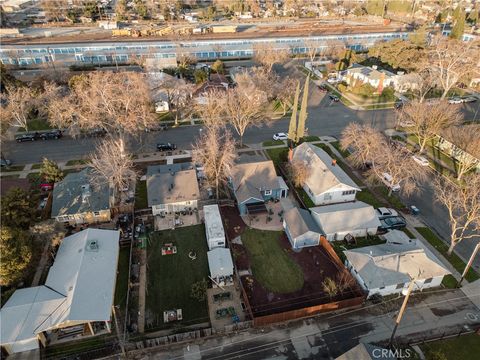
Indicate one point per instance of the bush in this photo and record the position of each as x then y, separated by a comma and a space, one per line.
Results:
388, 95
342, 88
365, 90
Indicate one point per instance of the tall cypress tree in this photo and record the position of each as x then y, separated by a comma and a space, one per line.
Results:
459, 27
292, 128
303, 112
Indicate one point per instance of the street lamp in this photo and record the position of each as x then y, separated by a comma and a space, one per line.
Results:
406, 293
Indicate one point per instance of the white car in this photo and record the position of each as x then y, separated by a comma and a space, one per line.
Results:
455, 100
420, 160
280, 136
385, 212
388, 181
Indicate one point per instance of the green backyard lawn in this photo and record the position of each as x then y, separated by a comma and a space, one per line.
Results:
170, 277
465, 347
121, 285
141, 195
271, 265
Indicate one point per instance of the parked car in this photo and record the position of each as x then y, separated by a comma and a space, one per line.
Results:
280, 136
166, 147
384, 212
322, 88
422, 161
399, 104
98, 132
160, 127
469, 99
455, 100
334, 98
46, 187
26, 137
5, 162
54, 134
393, 222
388, 180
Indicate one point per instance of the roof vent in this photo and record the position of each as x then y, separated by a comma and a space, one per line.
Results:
92, 245
85, 192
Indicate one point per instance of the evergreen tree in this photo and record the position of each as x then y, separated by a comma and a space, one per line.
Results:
459, 27
302, 117
292, 128
17, 209
473, 16
218, 67
200, 76
50, 171
16, 250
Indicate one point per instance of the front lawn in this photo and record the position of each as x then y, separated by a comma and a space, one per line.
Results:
271, 265
36, 125
141, 201
76, 162
12, 168
273, 142
369, 198
278, 155
170, 277
465, 347
453, 259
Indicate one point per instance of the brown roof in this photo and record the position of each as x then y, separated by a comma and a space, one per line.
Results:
7, 184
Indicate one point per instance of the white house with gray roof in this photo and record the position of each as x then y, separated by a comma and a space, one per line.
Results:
302, 231
388, 268
338, 220
326, 183
76, 201
172, 188
76, 300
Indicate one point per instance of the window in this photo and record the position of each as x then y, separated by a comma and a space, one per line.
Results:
268, 192
96, 213
399, 286
383, 287
428, 281
327, 196
221, 243
348, 192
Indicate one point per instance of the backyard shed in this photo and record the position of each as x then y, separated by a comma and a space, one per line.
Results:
221, 266
214, 227
301, 229
338, 220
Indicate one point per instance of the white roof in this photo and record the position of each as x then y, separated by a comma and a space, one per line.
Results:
392, 264
220, 262
323, 175
213, 222
345, 217
79, 288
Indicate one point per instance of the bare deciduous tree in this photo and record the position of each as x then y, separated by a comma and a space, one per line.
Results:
427, 120
118, 102
399, 164
111, 164
312, 49
267, 55
364, 142
178, 94
420, 83
211, 110
452, 60
215, 150
463, 206
19, 104
299, 172
284, 91
466, 143
243, 108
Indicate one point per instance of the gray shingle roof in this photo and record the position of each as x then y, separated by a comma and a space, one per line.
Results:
299, 221
169, 168
68, 194
323, 175
249, 179
169, 188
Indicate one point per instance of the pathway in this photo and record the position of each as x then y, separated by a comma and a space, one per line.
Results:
142, 291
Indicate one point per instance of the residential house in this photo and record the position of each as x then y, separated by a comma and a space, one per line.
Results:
76, 201
220, 264
172, 188
369, 75
326, 183
214, 227
76, 300
445, 142
253, 183
338, 220
302, 231
389, 268
364, 351
215, 82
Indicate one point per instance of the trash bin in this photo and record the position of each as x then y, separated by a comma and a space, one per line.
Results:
414, 210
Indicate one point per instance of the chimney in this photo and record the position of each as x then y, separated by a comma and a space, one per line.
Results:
334, 162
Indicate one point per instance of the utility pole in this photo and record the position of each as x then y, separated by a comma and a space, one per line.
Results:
470, 262
402, 310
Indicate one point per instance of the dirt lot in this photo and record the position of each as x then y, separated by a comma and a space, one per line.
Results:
316, 265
